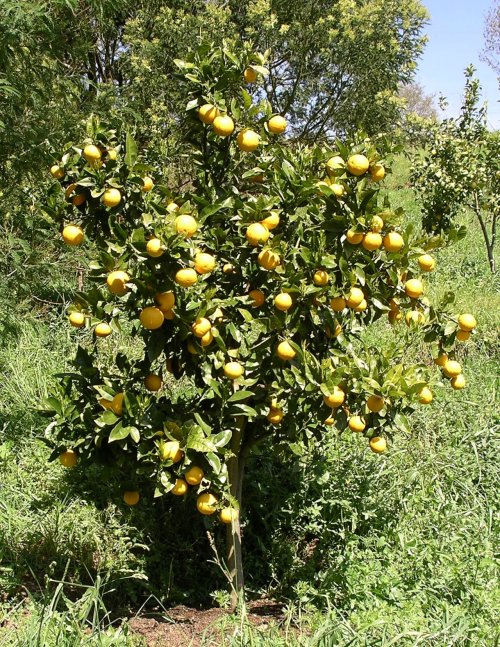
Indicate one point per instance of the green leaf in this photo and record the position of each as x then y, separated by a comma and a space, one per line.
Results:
241, 395
214, 461
119, 432
130, 151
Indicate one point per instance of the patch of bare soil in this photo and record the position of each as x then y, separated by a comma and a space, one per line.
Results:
192, 627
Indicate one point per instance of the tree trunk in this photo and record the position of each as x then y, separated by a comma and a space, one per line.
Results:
236, 469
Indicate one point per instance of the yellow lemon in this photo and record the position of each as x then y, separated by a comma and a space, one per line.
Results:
275, 416
463, 335
277, 125
354, 237
248, 140
377, 172
154, 248
441, 359
194, 475
152, 318
467, 322
111, 198
321, 278
358, 164
78, 199
228, 515
171, 451
378, 444
393, 242
361, 307
69, 458
131, 498
180, 488
425, 395
377, 224
337, 304
201, 326
223, 125
186, 277
335, 165
204, 263
452, 368
414, 288
117, 282
77, 319
283, 301
117, 404
73, 235
250, 75
91, 153
102, 330
338, 189
354, 297
206, 503
233, 370
458, 382
426, 262
371, 241
268, 259
186, 225
271, 221
394, 316
152, 382
57, 172
258, 298
257, 234
335, 399
207, 113
285, 351
414, 317
357, 423
166, 300
147, 184
375, 403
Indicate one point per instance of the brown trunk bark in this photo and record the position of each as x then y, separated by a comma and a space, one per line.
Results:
236, 469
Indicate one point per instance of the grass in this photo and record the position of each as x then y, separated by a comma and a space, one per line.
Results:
391, 550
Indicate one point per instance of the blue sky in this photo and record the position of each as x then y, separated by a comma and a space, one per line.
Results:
456, 39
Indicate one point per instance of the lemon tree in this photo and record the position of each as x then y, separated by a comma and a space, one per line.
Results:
244, 292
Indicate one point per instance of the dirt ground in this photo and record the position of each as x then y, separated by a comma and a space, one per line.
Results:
193, 628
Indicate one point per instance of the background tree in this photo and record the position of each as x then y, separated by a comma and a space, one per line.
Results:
461, 170
251, 282
491, 51
418, 102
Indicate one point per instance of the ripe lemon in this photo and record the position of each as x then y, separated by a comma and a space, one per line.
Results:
228, 515
283, 301
441, 359
425, 396
166, 300
467, 322
338, 189
361, 307
73, 235
414, 317
172, 207
102, 330
207, 339
258, 298
171, 451
186, 277
330, 421
375, 403
458, 382
354, 237
152, 318
186, 225
321, 278
69, 458
91, 153
180, 488
131, 498
257, 234
357, 423
117, 404
371, 241
223, 125
194, 475
452, 368
285, 351
337, 304
106, 404
117, 282
335, 399
268, 259
271, 221
207, 113
152, 382
377, 224
206, 503
154, 248
201, 326
334, 165
250, 75
233, 370
414, 288
248, 140
204, 263
111, 198
393, 242
78, 199
277, 125
378, 444
463, 335
191, 348
426, 262
394, 316
77, 319
57, 172
358, 164
377, 172
275, 416
69, 190
354, 297
147, 184
112, 154
228, 268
